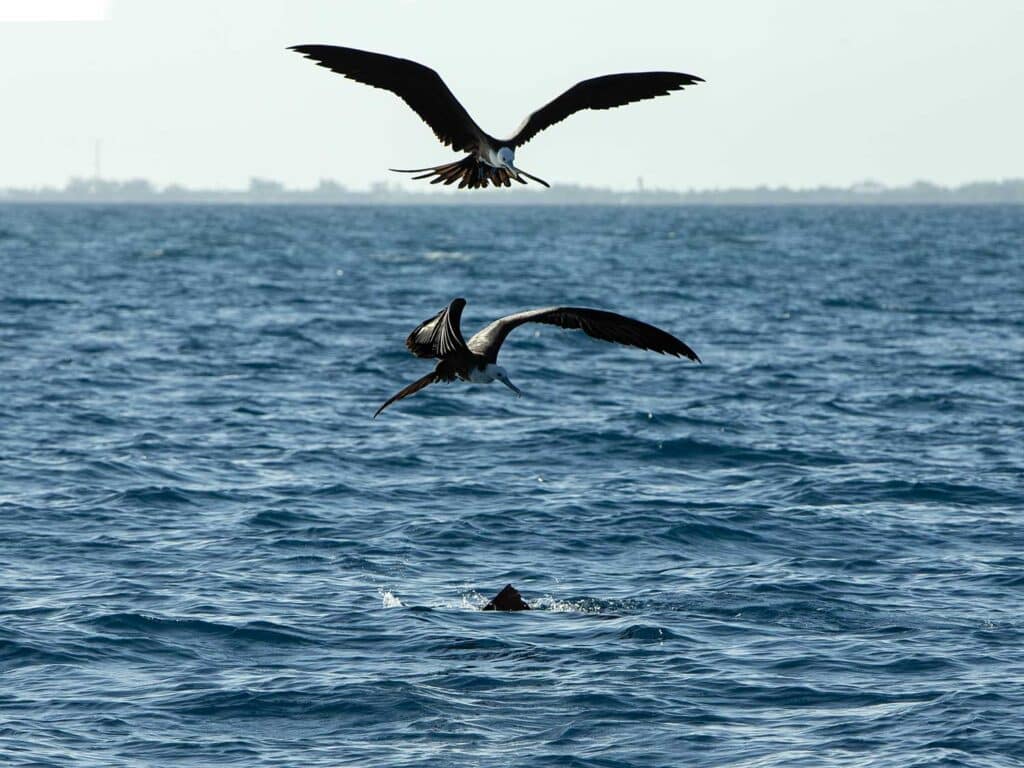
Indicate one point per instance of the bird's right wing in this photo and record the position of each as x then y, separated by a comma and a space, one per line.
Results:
603, 92
598, 323
412, 389
441, 335
418, 86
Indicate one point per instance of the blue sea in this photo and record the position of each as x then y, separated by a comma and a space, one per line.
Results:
808, 551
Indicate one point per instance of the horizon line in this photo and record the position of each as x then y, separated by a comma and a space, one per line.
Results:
268, 185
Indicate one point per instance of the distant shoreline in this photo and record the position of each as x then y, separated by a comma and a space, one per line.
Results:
267, 192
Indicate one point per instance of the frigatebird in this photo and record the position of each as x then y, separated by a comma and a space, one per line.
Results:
476, 361
490, 159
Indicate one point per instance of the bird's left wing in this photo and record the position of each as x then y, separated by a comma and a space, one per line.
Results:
441, 335
603, 92
598, 323
412, 389
418, 86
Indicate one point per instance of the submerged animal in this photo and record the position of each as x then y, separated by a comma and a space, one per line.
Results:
508, 599
490, 160
476, 361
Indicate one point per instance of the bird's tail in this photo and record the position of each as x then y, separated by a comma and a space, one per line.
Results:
468, 171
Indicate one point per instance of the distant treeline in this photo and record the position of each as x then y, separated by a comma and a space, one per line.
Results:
266, 191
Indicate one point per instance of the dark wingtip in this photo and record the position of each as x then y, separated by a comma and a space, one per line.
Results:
685, 351
691, 355
685, 80
312, 51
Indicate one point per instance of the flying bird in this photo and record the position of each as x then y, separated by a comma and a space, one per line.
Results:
476, 361
490, 160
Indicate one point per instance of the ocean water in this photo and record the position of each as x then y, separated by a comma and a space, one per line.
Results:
808, 551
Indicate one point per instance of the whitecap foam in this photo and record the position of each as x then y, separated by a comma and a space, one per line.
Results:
553, 604
447, 256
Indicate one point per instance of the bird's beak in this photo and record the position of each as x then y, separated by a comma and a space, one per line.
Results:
512, 386
520, 171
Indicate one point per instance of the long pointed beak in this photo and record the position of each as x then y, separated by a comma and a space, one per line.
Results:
513, 387
520, 171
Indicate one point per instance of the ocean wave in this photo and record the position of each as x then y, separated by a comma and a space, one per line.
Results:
250, 633
806, 551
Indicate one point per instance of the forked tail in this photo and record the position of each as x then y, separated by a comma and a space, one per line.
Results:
469, 172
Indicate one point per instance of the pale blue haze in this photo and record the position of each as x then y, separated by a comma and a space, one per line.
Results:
798, 93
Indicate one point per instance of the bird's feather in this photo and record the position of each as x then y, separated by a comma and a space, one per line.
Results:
603, 92
441, 335
598, 323
412, 389
418, 86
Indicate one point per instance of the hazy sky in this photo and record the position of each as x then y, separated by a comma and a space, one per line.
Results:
798, 92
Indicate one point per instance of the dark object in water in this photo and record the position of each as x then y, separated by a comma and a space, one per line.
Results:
508, 599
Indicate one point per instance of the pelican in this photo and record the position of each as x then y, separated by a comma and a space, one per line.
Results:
490, 159
476, 361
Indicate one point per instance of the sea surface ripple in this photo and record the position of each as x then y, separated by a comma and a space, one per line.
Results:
807, 551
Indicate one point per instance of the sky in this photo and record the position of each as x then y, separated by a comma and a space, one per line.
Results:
799, 93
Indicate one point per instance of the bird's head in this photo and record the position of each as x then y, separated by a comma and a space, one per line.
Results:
505, 156
502, 375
